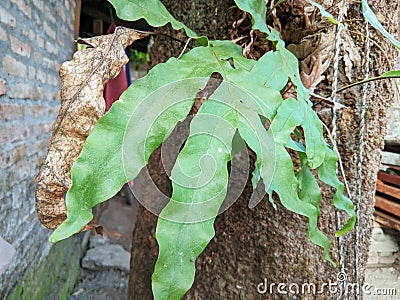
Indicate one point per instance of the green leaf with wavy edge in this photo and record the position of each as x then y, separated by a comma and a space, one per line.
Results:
311, 193
99, 172
373, 20
287, 67
258, 10
316, 146
288, 62
185, 226
281, 178
269, 68
153, 11
326, 14
199, 180
312, 124
327, 174
290, 115
317, 150
181, 232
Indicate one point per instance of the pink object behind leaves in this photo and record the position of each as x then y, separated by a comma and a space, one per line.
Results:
115, 87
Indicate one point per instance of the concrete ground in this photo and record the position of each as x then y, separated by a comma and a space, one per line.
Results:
105, 267
383, 272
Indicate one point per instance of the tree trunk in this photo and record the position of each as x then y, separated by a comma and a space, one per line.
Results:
262, 245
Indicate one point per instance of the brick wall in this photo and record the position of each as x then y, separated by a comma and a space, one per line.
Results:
36, 36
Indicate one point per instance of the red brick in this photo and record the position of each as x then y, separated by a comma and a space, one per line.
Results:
3, 135
26, 9
21, 171
37, 111
3, 34
39, 4
21, 91
39, 130
9, 158
3, 87
49, 96
50, 31
41, 76
52, 80
60, 12
37, 18
60, 40
64, 30
38, 57
20, 47
37, 147
43, 145
51, 47
32, 73
29, 33
40, 42
11, 111
7, 19
49, 14
17, 133
37, 93
13, 67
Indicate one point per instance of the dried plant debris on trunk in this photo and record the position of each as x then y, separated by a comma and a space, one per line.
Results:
82, 104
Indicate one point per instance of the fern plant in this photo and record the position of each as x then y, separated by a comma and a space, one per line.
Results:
249, 94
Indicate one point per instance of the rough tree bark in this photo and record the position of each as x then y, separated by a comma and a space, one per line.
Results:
252, 245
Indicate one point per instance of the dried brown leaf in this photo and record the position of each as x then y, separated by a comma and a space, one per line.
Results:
311, 75
82, 104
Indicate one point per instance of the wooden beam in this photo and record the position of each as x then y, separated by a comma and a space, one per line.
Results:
387, 189
387, 205
386, 220
393, 179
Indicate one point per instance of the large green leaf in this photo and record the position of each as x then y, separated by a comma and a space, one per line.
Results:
199, 180
281, 178
310, 193
153, 11
140, 121
258, 10
290, 114
185, 226
316, 147
281, 65
373, 20
327, 174
269, 68
146, 114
